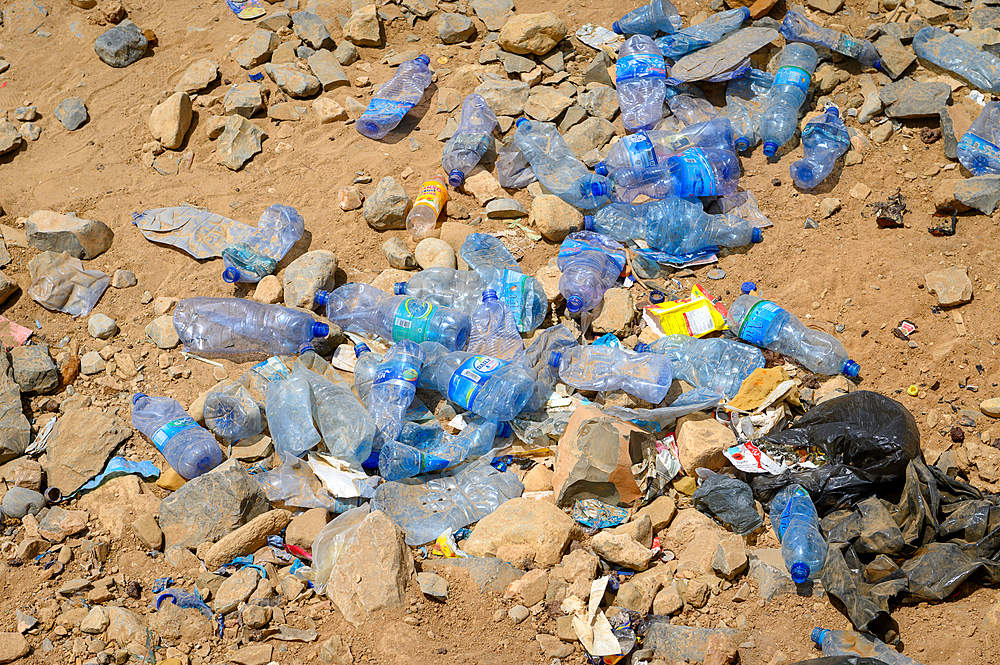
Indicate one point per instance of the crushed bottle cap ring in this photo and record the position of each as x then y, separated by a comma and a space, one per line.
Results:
912, 391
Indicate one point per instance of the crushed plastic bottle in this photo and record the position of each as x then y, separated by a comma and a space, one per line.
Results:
709, 31
644, 375
523, 294
953, 53
62, 285
470, 141
824, 140
279, 228
290, 417
720, 364
365, 365
694, 172
744, 98
494, 330
797, 28
395, 98
639, 79
796, 523
648, 148
657, 16
979, 148
423, 216
394, 388
231, 413
398, 460
365, 308
767, 325
590, 265
557, 167
688, 105
780, 116
850, 643
189, 448
488, 387
237, 325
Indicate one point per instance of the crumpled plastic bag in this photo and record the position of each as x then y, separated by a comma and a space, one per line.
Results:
61, 284
729, 500
513, 170
330, 543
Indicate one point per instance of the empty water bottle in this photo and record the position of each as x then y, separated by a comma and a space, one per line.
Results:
953, 53
488, 387
236, 325
232, 413
648, 148
494, 330
744, 97
657, 16
521, 293
395, 98
689, 106
824, 140
398, 460
394, 388
365, 308
675, 226
797, 28
780, 116
795, 522
290, 416
767, 325
423, 216
645, 375
590, 265
850, 643
365, 365
716, 363
470, 141
979, 149
279, 228
709, 31
189, 448
557, 167
640, 76
694, 172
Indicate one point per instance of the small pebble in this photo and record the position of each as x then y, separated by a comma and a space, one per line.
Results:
716, 273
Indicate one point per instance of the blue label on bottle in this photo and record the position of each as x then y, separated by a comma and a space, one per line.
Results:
640, 150
786, 513
975, 143
641, 65
170, 430
755, 323
694, 175
511, 294
470, 377
794, 76
271, 369
387, 107
411, 320
432, 463
396, 374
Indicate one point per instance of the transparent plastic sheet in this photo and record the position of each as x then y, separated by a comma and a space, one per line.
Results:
536, 360
742, 203
200, 233
295, 485
729, 500
61, 284
513, 170
699, 399
330, 542
724, 60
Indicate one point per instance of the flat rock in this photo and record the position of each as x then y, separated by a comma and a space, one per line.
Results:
327, 110
622, 550
907, 98
532, 33
121, 45
238, 143
504, 97
243, 99
896, 58
328, 71
346, 54
701, 442
293, 79
161, 330
12, 647
34, 370
597, 70
433, 586
248, 538
199, 75
81, 238
493, 13
952, 286
387, 206
312, 30
546, 104
275, 21
72, 113
256, 50
124, 626
364, 28
236, 589
591, 134
505, 209
515, 64
539, 524
80, 445
59, 524
454, 28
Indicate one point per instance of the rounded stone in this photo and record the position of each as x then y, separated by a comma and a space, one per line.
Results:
434, 253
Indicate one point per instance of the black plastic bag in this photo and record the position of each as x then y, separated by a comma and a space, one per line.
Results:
868, 439
729, 500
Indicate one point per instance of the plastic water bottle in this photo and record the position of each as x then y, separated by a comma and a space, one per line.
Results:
236, 325
423, 216
953, 53
744, 97
850, 643
979, 148
231, 413
709, 31
657, 16
557, 167
675, 226
720, 364
694, 172
290, 418
364, 308
494, 330
395, 98
394, 388
279, 228
797, 28
796, 523
470, 141
189, 448
397, 460
689, 105
523, 294
780, 116
645, 375
767, 325
590, 265
648, 148
488, 387
824, 140
782, 509
640, 76
365, 365
61, 284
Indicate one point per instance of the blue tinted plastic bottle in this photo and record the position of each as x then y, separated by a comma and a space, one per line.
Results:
648, 148
488, 387
365, 365
953, 53
557, 167
657, 16
824, 140
796, 523
398, 460
979, 148
797, 28
236, 325
279, 228
720, 364
645, 375
780, 116
470, 141
689, 105
189, 448
394, 387
744, 99
849, 643
395, 98
494, 330
709, 31
590, 265
694, 172
640, 76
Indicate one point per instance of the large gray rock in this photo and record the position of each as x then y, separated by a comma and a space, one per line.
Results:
387, 206
312, 30
256, 50
896, 58
455, 28
907, 98
504, 97
199, 75
546, 104
10, 137
244, 99
210, 506
980, 192
50, 231
591, 134
20, 501
311, 272
72, 113
235, 590
121, 45
34, 370
293, 79
327, 69
532, 33
239, 142
81, 443
494, 13
15, 431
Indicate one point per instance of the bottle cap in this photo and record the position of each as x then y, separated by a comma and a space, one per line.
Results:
756, 235
321, 297
601, 168
554, 358
520, 121
599, 188
423, 58
642, 348
742, 144
588, 222
800, 572
770, 147
136, 397
230, 275
747, 287
399, 288
818, 634
489, 294
833, 110
456, 178
504, 430
320, 329
851, 368
656, 297
360, 348
574, 304
617, 28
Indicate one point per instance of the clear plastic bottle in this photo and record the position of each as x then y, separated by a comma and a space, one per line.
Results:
640, 76
488, 387
715, 27
61, 284
720, 364
767, 325
499, 269
245, 264
236, 325
365, 365
279, 228
780, 116
824, 140
398, 460
802, 545
494, 330
783, 509
953, 53
290, 417
797, 28
189, 448
688, 105
470, 141
850, 643
645, 375
423, 216
394, 388
590, 265
694, 172
648, 148
657, 16
979, 148
557, 167
232, 414
744, 97
366, 308
676, 226
395, 98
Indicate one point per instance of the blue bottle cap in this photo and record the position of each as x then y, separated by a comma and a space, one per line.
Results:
423, 58
800, 572
372, 461
520, 121
321, 297
456, 178
745, 12
588, 222
617, 28
833, 110
554, 358
320, 329
851, 369
360, 348
601, 168
305, 348
818, 634
489, 294
747, 287
399, 288
656, 297
504, 430
574, 304
770, 148
742, 144
136, 397
642, 348
230, 275
599, 188
757, 235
